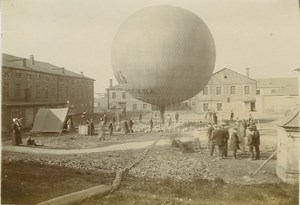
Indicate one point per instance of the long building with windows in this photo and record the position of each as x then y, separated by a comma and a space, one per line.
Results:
226, 91
28, 84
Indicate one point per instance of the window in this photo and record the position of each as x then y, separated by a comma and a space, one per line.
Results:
219, 106
28, 76
37, 91
205, 91
5, 74
113, 95
247, 89
53, 91
5, 90
232, 90
38, 76
145, 106
134, 106
47, 78
225, 76
218, 90
205, 106
18, 90
18, 74
257, 92
46, 92
124, 95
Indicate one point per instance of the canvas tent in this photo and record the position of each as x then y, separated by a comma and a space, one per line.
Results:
50, 120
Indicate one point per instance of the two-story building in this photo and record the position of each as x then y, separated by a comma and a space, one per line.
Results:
28, 84
226, 91
119, 99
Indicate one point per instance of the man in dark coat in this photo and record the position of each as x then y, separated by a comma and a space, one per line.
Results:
251, 142
234, 142
110, 128
176, 117
125, 127
218, 137
16, 139
151, 125
130, 124
256, 138
231, 115
215, 118
92, 127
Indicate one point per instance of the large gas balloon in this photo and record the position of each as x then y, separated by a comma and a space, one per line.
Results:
163, 55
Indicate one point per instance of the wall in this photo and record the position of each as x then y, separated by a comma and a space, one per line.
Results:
287, 166
278, 104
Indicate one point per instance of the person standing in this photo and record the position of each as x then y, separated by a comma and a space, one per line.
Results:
92, 127
151, 125
243, 128
215, 118
16, 133
218, 138
210, 129
101, 134
234, 142
231, 115
176, 117
256, 137
251, 142
130, 124
111, 128
169, 120
140, 117
105, 119
125, 127
226, 138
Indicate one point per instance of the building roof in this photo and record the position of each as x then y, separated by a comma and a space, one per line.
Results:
11, 61
276, 82
115, 87
291, 90
234, 77
289, 121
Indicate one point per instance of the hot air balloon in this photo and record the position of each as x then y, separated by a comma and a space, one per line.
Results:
163, 55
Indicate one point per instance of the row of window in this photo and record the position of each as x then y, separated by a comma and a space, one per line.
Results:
38, 92
205, 107
31, 75
232, 90
134, 106
114, 95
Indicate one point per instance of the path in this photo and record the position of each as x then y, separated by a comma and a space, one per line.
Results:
125, 146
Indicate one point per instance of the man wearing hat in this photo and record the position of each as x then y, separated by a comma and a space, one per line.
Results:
218, 139
256, 138
225, 138
251, 142
210, 129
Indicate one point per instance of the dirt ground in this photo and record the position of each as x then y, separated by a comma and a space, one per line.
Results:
164, 176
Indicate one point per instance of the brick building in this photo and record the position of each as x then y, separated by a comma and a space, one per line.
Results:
28, 84
226, 90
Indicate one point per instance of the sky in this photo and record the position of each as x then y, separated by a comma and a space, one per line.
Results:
263, 35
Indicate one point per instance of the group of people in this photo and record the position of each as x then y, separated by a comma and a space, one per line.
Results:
218, 136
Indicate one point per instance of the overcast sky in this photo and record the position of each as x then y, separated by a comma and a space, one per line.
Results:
263, 35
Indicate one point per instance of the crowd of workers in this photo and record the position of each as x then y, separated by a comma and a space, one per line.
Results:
218, 136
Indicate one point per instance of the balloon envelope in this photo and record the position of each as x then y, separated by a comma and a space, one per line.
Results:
163, 55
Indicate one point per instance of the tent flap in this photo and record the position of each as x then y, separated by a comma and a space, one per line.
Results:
50, 120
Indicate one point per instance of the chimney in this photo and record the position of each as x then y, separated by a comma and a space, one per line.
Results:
81, 74
32, 59
247, 72
63, 70
24, 62
110, 83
